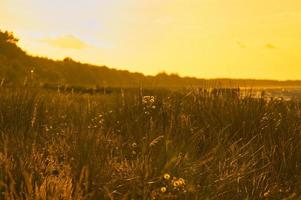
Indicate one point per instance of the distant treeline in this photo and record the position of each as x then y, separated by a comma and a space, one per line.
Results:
19, 68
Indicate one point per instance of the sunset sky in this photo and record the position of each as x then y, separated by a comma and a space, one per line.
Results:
202, 38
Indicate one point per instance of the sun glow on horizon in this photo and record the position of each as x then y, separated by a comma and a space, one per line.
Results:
202, 38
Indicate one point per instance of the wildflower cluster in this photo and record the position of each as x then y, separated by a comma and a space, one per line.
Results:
171, 186
134, 149
178, 184
148, 104
96, 122
148, 100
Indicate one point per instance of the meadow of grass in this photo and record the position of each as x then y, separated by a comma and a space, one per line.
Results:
148, 145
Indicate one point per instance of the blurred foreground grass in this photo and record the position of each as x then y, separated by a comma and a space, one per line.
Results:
148, 145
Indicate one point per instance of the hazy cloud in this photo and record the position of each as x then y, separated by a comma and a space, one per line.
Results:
241, 45
164, 20
270, 46
68, 41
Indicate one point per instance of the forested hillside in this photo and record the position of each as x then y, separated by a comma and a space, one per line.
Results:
20, 68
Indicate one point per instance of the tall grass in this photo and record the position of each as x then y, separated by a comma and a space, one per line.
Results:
148, 145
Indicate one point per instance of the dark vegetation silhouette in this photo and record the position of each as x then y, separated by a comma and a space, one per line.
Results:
19, 68
140, 143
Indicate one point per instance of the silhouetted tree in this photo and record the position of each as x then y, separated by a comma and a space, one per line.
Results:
8, 37
8, 45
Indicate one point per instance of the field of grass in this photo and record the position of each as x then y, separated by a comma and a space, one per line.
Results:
141, 145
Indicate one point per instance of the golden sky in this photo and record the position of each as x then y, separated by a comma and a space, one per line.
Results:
202, 38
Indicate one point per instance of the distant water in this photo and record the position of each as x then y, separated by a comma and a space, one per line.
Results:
287, 93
